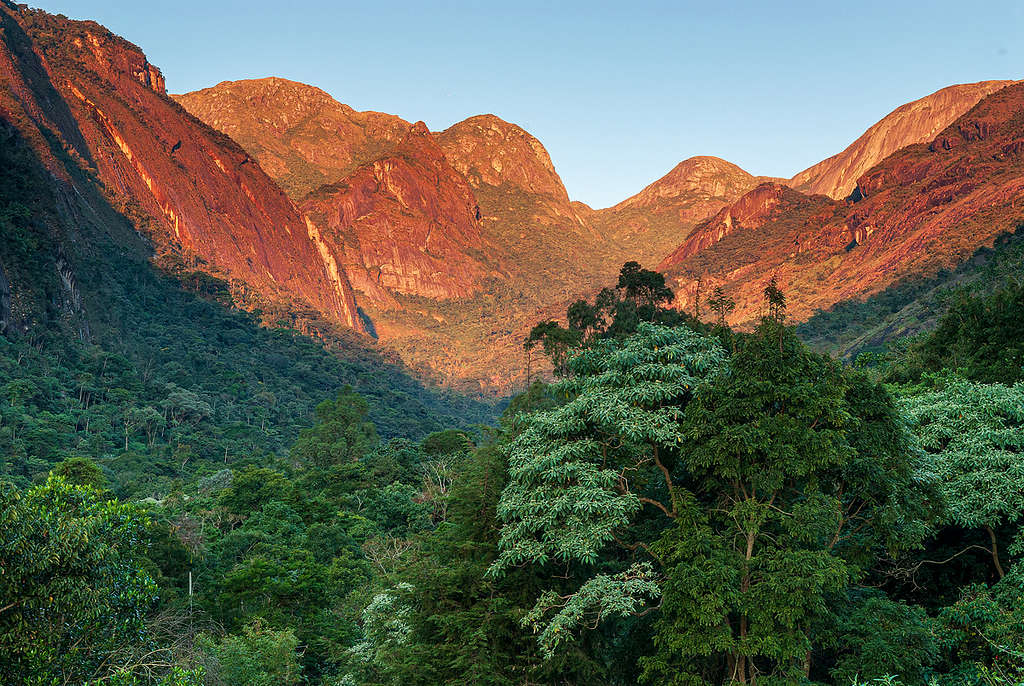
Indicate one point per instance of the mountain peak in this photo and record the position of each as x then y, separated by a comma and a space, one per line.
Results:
703, 175
490, 151
285, 125
918, 121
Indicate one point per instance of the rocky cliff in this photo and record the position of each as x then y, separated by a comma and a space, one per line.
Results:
454, 240
407, 222
302, 137
927, 206
752, 211
915, 122
194, 192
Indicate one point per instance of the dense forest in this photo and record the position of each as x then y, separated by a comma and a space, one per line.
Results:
680, 504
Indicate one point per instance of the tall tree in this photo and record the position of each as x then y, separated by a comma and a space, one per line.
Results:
584, 474
974, 435
793, 473
73, 594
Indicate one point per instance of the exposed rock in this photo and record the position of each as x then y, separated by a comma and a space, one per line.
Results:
916, 122
209, 201
927, 206
655, 220
488, 150
408, 223
753, 210
301, 136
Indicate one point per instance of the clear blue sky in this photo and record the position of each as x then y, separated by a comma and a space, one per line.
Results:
618, 92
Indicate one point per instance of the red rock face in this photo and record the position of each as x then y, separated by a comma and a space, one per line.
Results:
916, 122
397, 214
408, 223
925, 207
207, 199
302, 137
489, 151
710, 179
752, 211
654, 221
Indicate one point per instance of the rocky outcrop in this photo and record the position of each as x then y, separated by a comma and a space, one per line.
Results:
192, 191
916, 122
408, 223
393, 210
696, 181
926, 207
654, 221
302, 137
489, 151
431, 229
752, 211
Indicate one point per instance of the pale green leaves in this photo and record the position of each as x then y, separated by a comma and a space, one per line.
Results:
605, 596
573, 469
975, 435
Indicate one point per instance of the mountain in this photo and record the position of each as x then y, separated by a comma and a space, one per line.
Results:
652, 222
200, 198
408, 223
765, 203
926, 207
915, 122
87, 308
456, 242
301, 136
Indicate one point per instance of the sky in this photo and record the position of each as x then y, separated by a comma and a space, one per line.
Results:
618, 92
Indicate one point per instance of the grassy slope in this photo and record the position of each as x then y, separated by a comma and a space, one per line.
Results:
913, 305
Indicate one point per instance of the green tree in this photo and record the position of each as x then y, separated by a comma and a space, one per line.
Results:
341, 433
580, 473
721, 304
974, 436
72, 590
259, 656
81, 471
794, 473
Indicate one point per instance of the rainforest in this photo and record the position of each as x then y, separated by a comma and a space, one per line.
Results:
294, 394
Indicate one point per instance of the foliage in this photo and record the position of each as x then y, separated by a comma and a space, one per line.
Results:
795, 472
912, 306
974, 434
982, 338
72, 589
583, 470
258, 657
640, 296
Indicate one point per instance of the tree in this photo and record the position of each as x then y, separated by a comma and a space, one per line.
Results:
721, 304
792, 474
72, 591
640, 296
982, 337
579, 474
776, 301
81, 471
643, 287
555, 340
341, 433
742, 496
259, 656
974, 436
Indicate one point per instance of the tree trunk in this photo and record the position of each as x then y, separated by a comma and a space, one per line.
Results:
995, 551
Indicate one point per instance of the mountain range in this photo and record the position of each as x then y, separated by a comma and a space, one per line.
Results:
447, 246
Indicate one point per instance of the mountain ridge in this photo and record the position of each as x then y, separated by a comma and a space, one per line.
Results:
926, 207
917, 121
